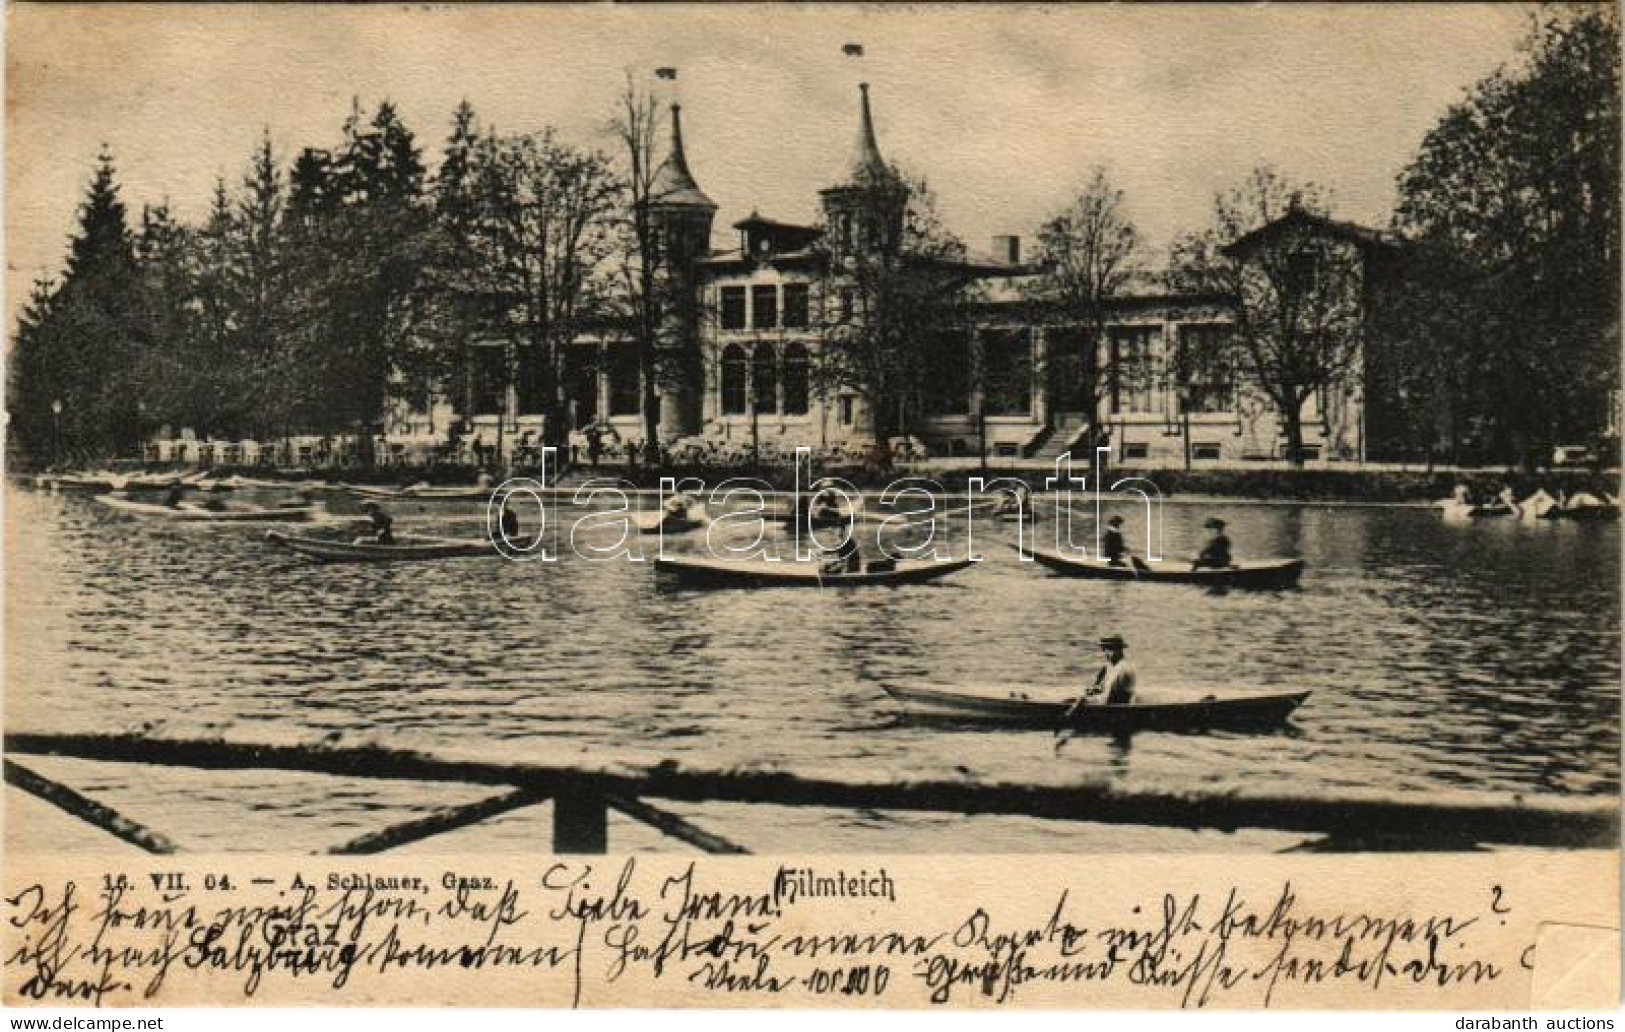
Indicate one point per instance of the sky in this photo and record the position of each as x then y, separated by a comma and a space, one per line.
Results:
1002, 108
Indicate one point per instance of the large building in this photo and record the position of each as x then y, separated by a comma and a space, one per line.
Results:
1015, 379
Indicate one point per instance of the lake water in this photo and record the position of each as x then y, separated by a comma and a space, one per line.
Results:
1440, 656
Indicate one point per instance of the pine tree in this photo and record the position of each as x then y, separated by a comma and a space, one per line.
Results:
82, 339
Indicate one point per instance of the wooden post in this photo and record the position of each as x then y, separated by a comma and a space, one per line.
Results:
580, 821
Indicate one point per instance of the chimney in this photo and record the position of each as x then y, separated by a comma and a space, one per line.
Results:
1007, 250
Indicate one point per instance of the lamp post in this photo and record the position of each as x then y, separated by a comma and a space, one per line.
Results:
56, 431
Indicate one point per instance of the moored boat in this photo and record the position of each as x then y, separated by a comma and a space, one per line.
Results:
1274, 573
447, 493
666, 523
404, 548
1170, 708
1453, 510
697, 572
189, 512
372, 490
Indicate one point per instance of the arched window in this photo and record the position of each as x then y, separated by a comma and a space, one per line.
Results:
796, 379
733, 380
764, 377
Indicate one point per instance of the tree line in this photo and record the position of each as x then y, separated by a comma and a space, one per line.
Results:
312, 300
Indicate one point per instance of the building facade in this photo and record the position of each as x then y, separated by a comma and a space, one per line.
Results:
1016, 380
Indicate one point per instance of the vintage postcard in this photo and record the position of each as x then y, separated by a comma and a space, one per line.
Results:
857, 506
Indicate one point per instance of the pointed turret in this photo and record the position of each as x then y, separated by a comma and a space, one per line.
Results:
866, 167
865, 209
674, 185
681, 215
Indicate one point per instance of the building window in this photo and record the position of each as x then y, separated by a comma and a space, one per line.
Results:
797, 379
733, 380
733, 308
1133, 369
795, 305
1207, 368
846, 410
581, 378
848, 304
764, 378
490, 385
625, 385
1136, 451
946, 380
764, 306
1203, 452
529, 386
1007, 372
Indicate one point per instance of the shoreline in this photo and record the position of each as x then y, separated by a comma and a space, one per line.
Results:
1340, 488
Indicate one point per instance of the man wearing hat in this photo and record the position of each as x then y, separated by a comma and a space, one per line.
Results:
1116, 679
1215, 555
1112, 546
382, 526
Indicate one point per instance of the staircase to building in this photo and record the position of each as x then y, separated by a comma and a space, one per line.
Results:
1070, 434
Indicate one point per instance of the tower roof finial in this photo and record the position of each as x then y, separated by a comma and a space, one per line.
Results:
674, 184
866, 167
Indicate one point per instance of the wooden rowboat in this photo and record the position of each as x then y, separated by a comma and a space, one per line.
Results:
696, 572
404, 548
1272, 573
666, 523
447, 493
1159, 709
189, 512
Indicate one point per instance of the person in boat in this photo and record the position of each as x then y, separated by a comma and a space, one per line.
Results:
173, 496
381, 524
1112, 546
1116, 678
1215, 555
1461, 495
212, 500
819, 508
1014, 502
509, 522
845, 557
678, 509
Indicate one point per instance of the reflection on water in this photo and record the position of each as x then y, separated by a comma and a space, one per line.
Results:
1440, 656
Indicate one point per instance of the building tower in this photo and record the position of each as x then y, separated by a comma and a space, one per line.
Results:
681, 215
864, 210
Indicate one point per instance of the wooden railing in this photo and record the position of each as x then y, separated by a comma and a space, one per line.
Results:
582, 798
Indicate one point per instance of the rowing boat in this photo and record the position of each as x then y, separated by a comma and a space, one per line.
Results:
188, 512
404, 548
759, 573
446, 493
1167, 708
1269, 573
370, 491
666, 523
1453, 510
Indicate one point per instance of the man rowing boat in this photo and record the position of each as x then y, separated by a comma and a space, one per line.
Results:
1215, 555
383, 532
1112, 546
1116, 680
